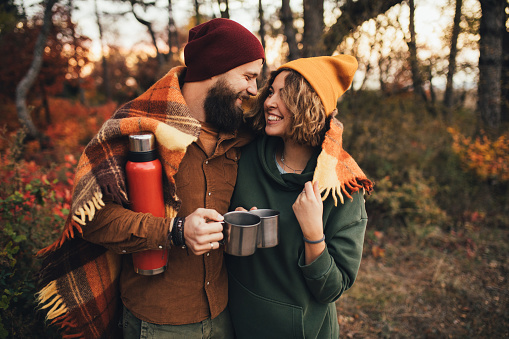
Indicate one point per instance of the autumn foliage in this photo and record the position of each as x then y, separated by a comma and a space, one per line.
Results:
488, 159
35, 195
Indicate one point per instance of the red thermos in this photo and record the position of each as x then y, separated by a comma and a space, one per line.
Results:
145, 187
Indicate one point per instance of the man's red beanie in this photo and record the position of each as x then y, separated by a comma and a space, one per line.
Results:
217, 46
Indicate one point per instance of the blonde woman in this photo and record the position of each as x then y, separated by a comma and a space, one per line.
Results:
298, 167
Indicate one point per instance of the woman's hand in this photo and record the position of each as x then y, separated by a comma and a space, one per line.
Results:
308, 209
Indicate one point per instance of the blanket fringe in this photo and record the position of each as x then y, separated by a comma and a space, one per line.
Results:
65, 322
88, 209
68, 233
48, 296
58, 314
68, 326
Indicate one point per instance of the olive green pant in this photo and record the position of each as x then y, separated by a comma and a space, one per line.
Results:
220, 327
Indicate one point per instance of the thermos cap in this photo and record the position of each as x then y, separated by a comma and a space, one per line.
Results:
143, 142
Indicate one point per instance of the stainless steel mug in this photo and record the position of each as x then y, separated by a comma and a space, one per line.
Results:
268, 231
240, 231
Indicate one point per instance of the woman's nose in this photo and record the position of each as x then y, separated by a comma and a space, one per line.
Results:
270, 102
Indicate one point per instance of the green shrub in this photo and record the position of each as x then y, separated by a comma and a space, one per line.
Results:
31, 210
410, 155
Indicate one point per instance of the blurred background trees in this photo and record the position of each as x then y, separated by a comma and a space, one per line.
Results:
293, 30
427, 118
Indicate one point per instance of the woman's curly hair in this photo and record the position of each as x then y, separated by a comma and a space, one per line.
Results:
309, 120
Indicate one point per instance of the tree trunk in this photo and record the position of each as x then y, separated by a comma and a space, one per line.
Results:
224, 8
414, 62
354, 13
490, 63
313, 28
383, 68
286, 17
172, 31
148, 24
45, 105
448, 96
28, 80
262, 35
505, 72
432, 95
106, 77
81, 91
197, 15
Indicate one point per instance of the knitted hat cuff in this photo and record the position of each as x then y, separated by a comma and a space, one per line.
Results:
217, 46
330, 76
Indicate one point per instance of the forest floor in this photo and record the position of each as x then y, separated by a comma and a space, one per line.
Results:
444, 285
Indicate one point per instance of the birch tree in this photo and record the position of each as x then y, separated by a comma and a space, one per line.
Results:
28, 80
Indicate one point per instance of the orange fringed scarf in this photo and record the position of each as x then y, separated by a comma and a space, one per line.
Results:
336, 171
79, 280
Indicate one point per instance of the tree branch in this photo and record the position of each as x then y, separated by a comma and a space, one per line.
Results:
354, 13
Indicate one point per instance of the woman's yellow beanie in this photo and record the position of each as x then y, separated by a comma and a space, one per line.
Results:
330, 76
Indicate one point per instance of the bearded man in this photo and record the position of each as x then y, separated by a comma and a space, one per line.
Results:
195, 113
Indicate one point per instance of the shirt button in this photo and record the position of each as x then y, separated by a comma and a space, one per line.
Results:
160, 246
206, 162
208, 283
123, 251
210, 193
208, 254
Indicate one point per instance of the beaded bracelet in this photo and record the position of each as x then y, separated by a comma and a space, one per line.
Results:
313, 241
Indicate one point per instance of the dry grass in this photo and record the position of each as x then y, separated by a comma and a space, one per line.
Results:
443, 286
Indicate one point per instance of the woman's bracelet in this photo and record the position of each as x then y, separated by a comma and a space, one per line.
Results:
313, 241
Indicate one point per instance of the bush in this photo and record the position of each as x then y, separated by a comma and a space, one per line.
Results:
426, 173
409, 204
33, 202
35, 194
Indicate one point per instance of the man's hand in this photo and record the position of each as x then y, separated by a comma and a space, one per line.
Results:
203, 230
242, 209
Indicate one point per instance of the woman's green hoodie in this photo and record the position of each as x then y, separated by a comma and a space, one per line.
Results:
272, 293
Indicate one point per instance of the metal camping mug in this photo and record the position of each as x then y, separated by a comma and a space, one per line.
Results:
268, 231
240, 231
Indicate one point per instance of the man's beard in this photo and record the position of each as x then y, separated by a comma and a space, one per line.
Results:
220, 108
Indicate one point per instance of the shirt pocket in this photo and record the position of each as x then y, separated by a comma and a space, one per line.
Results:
255, 316
230, 165
183, 176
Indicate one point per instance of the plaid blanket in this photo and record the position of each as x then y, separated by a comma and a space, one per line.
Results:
346, 173
79, 280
